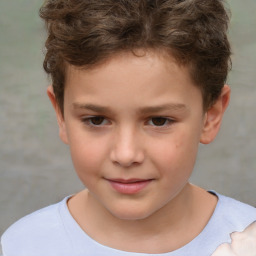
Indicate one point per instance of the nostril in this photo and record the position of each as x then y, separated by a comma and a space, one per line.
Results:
126, 149
127, 158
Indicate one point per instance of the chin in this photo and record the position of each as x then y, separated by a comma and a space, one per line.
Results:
130, 213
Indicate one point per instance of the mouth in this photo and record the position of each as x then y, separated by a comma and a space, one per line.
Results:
130, 186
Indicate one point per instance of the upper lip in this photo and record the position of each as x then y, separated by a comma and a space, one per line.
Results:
133, 180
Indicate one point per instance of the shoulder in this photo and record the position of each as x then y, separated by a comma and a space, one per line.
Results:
235, 213
29, 235
233, 227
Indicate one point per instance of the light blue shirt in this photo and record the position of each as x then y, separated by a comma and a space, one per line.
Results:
52, 231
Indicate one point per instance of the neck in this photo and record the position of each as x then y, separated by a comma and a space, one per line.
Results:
189, 211
168, 217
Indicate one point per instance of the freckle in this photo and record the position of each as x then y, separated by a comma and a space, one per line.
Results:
177, 145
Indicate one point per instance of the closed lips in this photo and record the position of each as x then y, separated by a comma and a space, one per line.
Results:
130, 186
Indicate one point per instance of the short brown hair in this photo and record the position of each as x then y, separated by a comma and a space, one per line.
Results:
85, 33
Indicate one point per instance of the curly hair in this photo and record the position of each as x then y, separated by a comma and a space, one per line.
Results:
85, 33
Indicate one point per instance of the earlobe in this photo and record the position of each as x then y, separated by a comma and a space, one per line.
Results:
60, 118
214, 115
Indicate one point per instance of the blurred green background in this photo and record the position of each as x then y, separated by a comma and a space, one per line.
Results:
35, 167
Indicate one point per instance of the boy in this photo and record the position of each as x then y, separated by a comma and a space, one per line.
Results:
136, 86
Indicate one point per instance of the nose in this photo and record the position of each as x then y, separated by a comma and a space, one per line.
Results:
127, 149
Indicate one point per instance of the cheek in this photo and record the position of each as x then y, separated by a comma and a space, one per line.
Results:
186, 148
87, 155
177, 148
176, 155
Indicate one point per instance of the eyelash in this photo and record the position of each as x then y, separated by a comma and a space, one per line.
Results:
167, 121
88, 121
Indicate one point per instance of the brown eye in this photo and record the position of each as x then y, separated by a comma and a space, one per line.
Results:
97, 120
159, 121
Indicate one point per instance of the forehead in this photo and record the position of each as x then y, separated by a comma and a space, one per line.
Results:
150, 77
130, 62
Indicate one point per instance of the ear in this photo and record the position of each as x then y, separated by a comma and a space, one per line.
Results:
60, 117
214, 115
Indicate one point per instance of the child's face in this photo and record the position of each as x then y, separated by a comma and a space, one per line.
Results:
133, 126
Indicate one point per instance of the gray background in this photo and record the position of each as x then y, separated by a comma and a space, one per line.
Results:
35, 167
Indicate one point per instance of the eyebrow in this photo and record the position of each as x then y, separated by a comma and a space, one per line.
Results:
164, 107
92, 107
143, 110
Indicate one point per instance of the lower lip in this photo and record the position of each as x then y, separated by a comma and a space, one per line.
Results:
129, 188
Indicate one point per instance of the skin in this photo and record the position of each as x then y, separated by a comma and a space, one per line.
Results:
242, 243
138, 118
